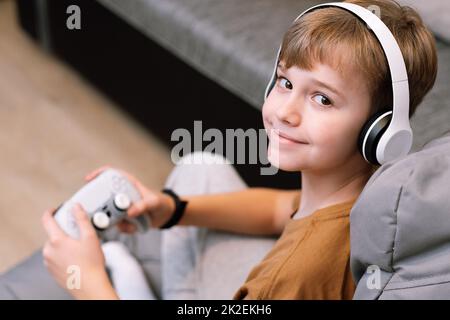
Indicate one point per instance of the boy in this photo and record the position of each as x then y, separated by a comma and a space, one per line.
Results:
331, 78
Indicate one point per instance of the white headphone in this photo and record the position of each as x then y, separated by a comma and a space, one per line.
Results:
387, 135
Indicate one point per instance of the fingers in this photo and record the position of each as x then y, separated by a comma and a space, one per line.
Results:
137, 209
126, 227
83, 222
51, 227
96, 172
144, 205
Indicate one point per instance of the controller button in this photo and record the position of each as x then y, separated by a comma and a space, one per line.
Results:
122, 201
100, 220
116, 186
121, 186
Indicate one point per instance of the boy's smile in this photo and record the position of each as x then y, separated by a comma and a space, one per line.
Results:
285, 139
313, 117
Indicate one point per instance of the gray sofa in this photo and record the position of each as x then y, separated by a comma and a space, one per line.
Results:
233, 43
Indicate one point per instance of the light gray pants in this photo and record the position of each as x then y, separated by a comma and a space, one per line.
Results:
179, 263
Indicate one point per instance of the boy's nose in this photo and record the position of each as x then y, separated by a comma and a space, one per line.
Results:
289, 113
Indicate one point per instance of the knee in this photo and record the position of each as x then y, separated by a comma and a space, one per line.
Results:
201, 163
203, 158
204, 172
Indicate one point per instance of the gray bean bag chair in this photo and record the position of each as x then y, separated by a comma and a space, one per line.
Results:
400, 228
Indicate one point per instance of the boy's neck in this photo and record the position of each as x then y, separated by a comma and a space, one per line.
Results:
320, 190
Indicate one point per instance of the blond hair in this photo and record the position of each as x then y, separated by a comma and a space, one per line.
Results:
326, 35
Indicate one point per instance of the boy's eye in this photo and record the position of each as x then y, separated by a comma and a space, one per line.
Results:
285, 83
321, 99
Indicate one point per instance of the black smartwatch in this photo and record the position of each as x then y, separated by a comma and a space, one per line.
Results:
180, 205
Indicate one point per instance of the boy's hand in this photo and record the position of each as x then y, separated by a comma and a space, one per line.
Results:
159, 206
83, 258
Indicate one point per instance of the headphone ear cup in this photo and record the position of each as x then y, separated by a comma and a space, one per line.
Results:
371, 134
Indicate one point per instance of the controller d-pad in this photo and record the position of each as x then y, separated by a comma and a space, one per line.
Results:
119, 184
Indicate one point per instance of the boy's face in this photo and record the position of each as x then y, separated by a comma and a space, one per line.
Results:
319, 109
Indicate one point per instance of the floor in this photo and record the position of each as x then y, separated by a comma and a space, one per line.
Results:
55, 128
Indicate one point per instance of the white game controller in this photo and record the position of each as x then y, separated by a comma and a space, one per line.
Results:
106, 200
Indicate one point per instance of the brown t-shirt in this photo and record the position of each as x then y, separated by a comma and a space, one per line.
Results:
311, 260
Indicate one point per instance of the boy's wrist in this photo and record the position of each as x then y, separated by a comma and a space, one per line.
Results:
178, 209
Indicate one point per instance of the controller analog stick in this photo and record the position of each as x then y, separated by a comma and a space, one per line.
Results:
122, 201
101, 220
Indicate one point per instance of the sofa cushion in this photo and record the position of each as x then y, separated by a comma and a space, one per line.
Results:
400, 228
